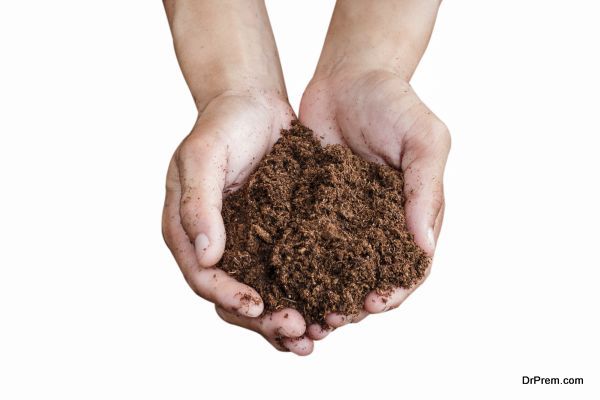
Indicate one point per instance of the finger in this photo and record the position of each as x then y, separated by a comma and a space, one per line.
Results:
301, 346
378, 303
202, 163
216, 286
277, 343
283, 323
423, 163
362, 315
284, 329
212, 284
317, 332
337, 320
287, 322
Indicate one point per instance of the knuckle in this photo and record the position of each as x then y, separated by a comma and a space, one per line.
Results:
186, 208
221, 313
440, 131
195, 288
189, 215
166, 234
188, 148
194, 145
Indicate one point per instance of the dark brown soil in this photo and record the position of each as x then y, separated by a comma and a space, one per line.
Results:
317, 228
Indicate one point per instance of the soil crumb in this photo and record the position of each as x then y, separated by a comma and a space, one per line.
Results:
316, 228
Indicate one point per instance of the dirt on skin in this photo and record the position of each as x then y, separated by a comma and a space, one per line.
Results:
317, 228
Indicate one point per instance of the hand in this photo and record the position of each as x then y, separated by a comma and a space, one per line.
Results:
233, 133
228, 57
378, 115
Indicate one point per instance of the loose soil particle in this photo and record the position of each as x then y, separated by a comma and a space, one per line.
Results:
317, 228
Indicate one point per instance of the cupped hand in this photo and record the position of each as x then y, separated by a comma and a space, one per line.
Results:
379, 116
232, 134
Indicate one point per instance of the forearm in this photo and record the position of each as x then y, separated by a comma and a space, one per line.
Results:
382, 34
224, 45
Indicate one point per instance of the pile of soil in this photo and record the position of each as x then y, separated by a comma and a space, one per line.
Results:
317, 228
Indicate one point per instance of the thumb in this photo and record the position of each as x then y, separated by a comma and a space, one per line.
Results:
202, 168
423, 162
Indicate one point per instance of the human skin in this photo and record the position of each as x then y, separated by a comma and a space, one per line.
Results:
228, 57
360, 96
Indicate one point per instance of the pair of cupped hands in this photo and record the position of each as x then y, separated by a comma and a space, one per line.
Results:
374, 112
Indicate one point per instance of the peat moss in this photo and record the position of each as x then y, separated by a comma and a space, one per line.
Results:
316, 228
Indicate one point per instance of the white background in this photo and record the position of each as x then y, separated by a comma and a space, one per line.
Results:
92, 305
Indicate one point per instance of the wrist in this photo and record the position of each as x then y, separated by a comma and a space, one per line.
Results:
391, 35
265, 98
399, 60
234, 83
211, 70
225, 46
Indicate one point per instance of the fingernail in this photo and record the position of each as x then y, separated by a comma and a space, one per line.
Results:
254, 311
431, 238
201, 244
250, 306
